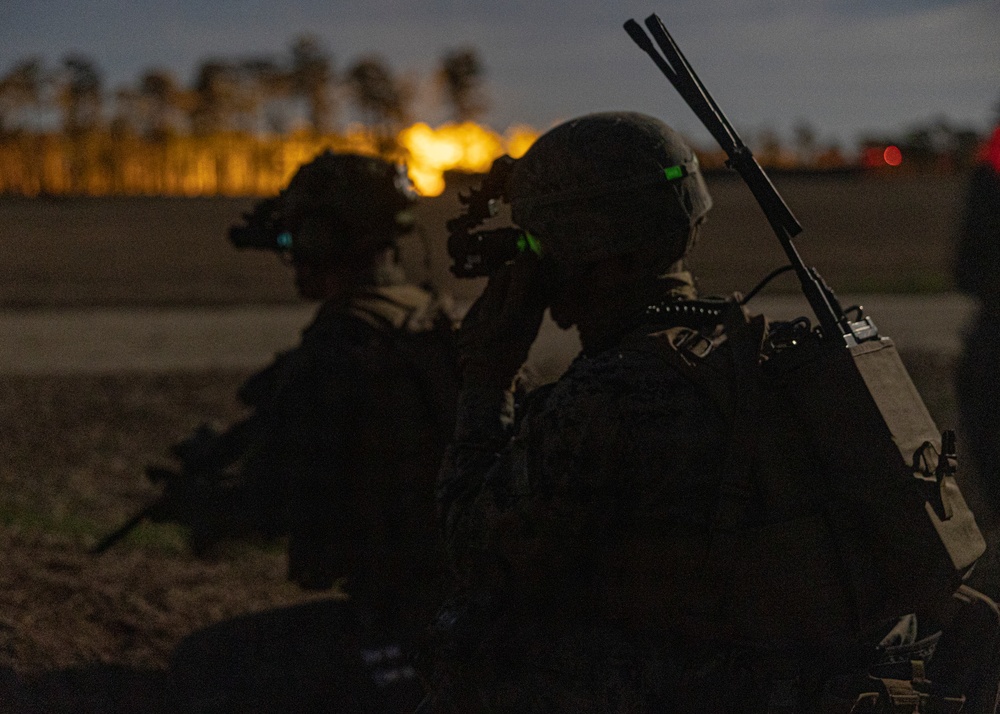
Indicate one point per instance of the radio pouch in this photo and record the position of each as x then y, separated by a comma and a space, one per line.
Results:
839, 508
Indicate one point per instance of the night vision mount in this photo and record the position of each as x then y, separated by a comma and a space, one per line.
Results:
477, 253
835, 326
262, 228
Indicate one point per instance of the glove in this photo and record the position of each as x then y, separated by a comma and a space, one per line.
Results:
501, 325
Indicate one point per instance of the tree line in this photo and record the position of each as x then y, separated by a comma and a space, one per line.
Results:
253, 94
240, 126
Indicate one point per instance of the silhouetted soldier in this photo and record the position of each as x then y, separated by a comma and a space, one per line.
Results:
340, 454
645, 535
977, 272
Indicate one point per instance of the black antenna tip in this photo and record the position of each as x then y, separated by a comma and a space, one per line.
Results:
638, 35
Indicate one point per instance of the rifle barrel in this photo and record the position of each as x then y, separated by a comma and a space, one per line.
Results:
123, 530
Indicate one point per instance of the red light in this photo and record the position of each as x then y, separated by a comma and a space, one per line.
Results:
990, 152
871, 157
892, 155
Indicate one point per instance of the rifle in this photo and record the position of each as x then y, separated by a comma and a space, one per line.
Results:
125, 528
903, 532
195, 495
201, 494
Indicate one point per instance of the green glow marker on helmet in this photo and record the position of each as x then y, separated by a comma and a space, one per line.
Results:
675, 172
284, 240
526, 242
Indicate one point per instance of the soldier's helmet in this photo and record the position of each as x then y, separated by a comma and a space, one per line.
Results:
607, 184
364, 203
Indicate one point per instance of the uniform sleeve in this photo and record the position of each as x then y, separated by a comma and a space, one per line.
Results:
621, 447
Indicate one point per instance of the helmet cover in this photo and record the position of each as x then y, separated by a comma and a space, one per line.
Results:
606, 184
365, 200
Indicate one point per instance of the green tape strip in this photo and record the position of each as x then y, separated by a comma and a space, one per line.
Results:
674, 172
528, 242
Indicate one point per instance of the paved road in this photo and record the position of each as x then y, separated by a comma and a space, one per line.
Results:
94, 341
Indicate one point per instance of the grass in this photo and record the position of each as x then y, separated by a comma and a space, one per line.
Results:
74, 449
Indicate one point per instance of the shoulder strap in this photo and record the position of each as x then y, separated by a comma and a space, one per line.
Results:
746, 340
399, 307
723, 361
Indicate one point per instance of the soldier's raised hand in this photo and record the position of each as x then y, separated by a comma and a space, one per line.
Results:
499, 328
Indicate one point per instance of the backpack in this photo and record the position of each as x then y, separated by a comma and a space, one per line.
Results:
839, 509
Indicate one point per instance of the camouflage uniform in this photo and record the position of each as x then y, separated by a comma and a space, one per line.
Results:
567, 520
363, 424
977, 374
541, 512
340, 455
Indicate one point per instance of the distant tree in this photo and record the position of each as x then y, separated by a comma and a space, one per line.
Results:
311, 77
162, 101
460, 76
939, 145
965, 144
805, 142
768, 149
830, 156
383, 100
20, 90
918, 147
127, 115
935, 145
80, 94
210, 97
268, 87
223, 100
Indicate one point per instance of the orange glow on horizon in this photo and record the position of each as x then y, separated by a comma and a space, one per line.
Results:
430, 152
466, 147
236, 164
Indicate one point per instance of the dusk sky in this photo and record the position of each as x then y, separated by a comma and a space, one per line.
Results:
849, 67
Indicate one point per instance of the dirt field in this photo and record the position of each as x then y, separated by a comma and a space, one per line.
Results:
85, 634
80, 633
865, 234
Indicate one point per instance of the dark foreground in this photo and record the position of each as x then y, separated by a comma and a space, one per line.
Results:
92, 634
80, 633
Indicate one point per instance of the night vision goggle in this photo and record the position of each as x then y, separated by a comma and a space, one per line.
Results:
478, 253
262, 228
371, 193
